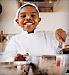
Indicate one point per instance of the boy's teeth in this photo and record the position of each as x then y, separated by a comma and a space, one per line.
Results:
29, 23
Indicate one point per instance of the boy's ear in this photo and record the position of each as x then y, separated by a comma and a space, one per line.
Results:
39, 19
17, 21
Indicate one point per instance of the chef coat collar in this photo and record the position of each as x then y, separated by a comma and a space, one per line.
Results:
26, 33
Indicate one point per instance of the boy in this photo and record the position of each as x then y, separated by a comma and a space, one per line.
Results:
30, 41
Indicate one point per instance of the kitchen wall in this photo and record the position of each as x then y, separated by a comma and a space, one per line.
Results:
50, 21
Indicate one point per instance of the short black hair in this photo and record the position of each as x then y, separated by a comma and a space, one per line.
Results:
29, 5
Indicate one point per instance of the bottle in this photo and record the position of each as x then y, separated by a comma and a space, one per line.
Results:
59, 49
1, 39
1, 36
58, 62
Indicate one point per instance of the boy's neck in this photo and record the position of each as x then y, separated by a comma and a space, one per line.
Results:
31, 32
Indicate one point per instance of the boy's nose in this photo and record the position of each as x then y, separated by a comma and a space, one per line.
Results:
28, 18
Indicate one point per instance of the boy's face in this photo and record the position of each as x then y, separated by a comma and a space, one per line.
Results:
28, 18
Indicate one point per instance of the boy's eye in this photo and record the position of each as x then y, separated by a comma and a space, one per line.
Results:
33, 15
23, 16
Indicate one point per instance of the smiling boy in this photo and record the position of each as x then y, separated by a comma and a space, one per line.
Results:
28, 19
35, 43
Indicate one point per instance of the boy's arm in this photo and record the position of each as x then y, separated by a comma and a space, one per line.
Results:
60, 37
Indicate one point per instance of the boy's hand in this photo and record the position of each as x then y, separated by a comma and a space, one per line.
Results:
60, 35
20, 57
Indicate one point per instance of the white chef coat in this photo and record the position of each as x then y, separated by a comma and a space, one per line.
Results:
36, 44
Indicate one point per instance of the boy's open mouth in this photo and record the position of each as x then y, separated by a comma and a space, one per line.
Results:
28, 23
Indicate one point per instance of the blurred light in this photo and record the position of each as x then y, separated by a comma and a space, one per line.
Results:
50, 1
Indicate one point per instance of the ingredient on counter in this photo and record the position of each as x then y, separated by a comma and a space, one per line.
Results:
66, 46
66, 49
58, 62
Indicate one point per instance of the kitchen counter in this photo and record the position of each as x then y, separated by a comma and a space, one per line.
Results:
13, 68
43, 67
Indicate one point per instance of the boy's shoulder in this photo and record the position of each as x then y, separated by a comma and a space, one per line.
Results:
47, 32
15, 36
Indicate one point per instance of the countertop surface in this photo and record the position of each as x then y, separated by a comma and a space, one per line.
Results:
24, 67
44, 65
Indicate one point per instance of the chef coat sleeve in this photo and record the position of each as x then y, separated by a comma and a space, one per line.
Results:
52, 42
10, 51
55, 42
